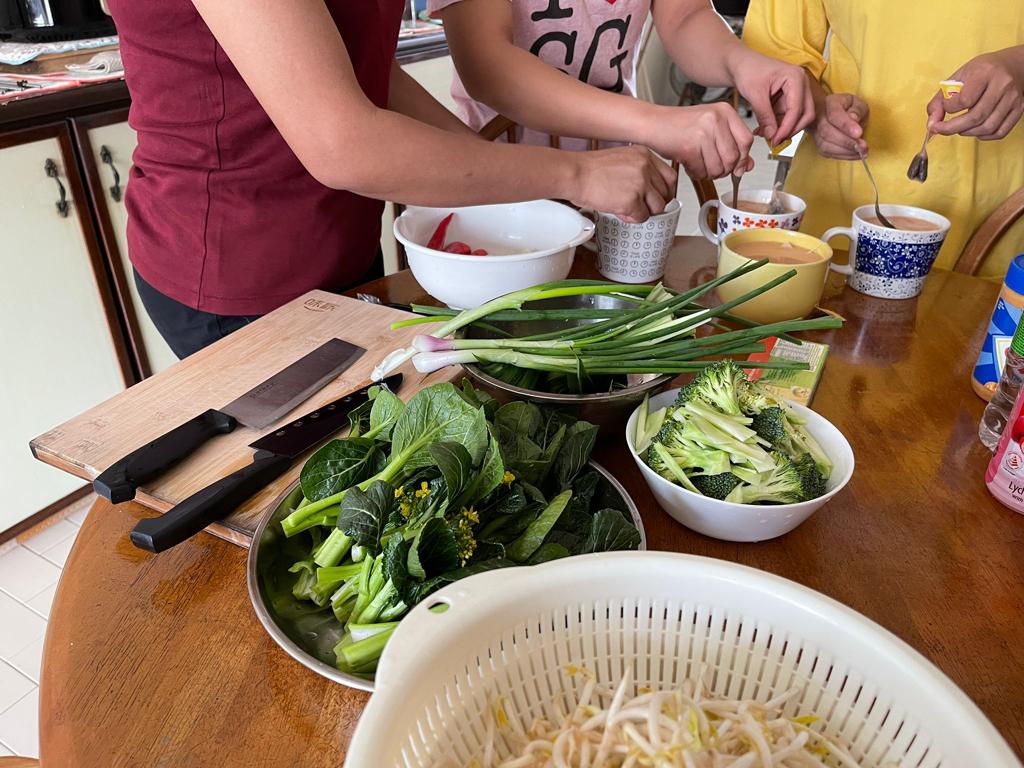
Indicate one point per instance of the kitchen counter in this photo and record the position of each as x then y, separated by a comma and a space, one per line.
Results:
96, 97
160, 660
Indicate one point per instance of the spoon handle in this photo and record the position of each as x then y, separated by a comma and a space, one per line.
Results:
735, 191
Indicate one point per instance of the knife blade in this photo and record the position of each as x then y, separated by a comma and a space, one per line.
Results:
258, 408
273, 455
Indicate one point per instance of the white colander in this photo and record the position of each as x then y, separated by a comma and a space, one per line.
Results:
665, 618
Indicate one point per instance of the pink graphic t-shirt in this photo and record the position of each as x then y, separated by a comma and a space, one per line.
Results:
595, 41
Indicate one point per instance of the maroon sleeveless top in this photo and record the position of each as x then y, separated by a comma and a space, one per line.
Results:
221, 214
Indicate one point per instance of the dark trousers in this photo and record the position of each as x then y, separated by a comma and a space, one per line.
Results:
188, 330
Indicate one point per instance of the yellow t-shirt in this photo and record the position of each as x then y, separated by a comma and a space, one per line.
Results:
892, 54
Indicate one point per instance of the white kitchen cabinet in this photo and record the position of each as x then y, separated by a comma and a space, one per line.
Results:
435, 75
60, 341
107, 143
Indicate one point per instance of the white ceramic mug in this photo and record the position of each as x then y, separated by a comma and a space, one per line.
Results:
634, 253
890, 263
734, 219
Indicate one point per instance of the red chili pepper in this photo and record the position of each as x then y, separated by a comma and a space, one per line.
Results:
437, 239
480, 252
459, 247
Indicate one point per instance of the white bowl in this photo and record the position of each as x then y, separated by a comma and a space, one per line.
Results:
730, 521
530, 243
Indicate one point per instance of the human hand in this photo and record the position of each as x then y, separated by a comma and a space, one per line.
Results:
709, 140
839, 127
629, 182
778, 93
992, 95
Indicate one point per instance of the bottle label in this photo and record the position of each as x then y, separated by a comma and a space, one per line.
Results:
989, 368
1005, 475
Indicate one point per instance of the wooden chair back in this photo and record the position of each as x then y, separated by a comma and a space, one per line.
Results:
990, 233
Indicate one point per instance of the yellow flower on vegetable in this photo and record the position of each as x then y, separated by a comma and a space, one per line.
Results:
399, 493
424, 490
508, 478
464, 533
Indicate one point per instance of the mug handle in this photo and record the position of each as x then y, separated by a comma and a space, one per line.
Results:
850, 232
702, 220
590, 244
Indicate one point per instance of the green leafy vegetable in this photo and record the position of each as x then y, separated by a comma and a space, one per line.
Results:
522, 548
364, 513
338, 465
610, 531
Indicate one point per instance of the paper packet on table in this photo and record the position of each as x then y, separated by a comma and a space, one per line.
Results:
797, 386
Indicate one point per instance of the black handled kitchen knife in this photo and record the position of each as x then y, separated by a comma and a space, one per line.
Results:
258, 408
274, 454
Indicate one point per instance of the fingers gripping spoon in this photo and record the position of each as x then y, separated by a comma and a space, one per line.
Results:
878, 211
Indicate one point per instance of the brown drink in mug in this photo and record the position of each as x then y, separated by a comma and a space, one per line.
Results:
751, 212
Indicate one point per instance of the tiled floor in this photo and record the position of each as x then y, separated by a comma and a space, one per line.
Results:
29, 570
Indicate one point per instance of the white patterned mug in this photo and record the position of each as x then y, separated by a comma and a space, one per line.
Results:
633, 253
734, 219
890, 263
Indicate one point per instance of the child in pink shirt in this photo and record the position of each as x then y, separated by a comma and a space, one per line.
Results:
568, 68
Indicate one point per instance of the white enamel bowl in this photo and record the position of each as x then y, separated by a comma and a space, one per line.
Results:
729, 521
530, 243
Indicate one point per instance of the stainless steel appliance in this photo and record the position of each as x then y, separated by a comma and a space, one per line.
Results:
47, 21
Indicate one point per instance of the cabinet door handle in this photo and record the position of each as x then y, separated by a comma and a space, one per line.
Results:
115, 191
51, 171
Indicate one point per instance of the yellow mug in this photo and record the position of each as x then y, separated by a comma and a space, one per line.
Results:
795, 298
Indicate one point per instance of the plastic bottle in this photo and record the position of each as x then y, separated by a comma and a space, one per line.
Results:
1005, 319
997, 412
1005, 475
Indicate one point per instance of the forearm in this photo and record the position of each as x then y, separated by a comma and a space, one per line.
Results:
408, 97
409, 162
520, 86
700, 43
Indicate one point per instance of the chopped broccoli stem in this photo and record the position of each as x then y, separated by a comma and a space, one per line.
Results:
780, 485
661, 461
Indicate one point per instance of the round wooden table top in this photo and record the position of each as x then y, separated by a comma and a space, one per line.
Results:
160, 661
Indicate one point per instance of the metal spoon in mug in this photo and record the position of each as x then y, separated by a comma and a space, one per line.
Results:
878, 211
735, 191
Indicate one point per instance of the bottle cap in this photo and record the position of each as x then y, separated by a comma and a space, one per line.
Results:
1015, 274
1017, 345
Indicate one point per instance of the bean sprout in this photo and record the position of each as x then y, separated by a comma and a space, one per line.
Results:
688, 727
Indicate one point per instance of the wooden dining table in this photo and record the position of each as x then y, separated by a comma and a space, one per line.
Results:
159, 660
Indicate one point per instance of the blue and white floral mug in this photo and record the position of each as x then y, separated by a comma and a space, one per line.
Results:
751, 213
891, 263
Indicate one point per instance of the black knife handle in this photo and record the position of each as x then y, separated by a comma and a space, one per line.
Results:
155, 534
120, 480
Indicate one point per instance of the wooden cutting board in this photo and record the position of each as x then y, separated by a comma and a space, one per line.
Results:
213, 377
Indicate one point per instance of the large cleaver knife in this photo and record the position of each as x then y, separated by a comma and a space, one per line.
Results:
258, 408
274, 453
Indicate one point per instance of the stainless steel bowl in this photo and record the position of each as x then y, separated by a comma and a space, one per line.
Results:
308, 634
606, 409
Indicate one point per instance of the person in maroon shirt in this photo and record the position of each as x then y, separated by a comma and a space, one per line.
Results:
269, 133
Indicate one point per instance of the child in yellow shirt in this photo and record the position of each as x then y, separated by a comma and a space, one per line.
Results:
876, 91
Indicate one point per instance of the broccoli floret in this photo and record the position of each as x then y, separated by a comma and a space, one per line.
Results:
690, 454
754, 398
716, 486
770, 425
802, 442
717, 385
811, 479
781, 485
661, 461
